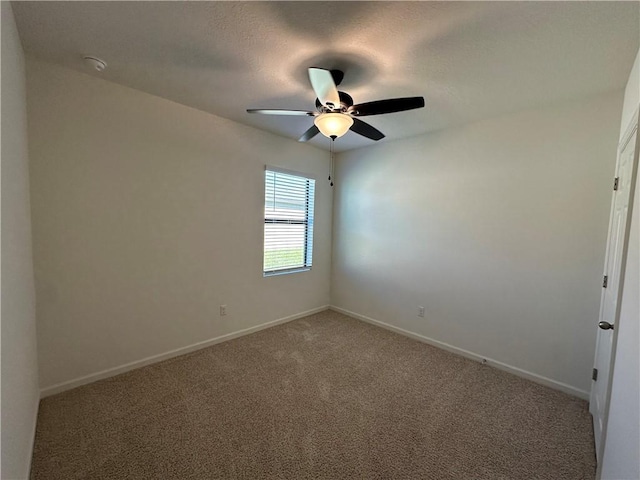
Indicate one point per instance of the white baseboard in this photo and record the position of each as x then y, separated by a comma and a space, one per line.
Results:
110, 372
534, 377
61, 387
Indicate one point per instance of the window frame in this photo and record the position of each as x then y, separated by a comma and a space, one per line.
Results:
308, 222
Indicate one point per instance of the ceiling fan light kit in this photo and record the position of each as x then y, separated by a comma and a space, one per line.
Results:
335, 112
333, 125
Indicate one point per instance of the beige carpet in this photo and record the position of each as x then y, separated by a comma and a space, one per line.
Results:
324, 397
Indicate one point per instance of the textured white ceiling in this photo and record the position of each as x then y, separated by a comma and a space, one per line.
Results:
470, 60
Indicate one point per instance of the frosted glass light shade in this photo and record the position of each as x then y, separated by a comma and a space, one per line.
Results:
333, 124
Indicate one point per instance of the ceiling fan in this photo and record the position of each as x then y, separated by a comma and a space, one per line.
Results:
335, 112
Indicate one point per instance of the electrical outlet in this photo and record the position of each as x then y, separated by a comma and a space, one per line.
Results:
421, 312
223, 310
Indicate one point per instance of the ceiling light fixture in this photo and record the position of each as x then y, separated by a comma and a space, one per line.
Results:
333, 125
335, 112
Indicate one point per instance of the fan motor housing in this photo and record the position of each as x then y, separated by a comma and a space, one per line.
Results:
345, 102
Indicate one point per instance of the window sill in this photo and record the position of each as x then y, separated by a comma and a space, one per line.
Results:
277, 273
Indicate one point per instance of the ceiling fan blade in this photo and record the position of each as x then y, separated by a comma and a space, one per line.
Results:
264, 111
325, 88
390, 105
338, 76
366, 130
309, 134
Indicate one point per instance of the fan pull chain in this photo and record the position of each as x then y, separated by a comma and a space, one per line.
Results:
331, 154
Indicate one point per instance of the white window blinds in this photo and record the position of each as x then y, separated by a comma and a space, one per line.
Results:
288, 221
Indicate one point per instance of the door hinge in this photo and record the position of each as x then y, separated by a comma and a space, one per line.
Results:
605, 281
594, 375
615, 183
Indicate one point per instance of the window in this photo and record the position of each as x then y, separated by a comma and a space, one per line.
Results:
288, 221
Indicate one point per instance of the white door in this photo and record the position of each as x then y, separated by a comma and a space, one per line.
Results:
609, 304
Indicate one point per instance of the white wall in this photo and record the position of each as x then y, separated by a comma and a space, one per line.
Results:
497, 228
147, 216
20, 394
631, 96
621, 459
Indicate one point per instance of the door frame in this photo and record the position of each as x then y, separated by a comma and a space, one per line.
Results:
632, 127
